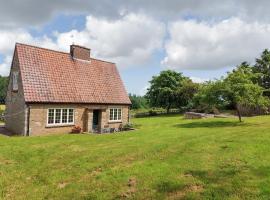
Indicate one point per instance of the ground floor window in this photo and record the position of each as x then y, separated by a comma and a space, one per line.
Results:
115, 114
60, 116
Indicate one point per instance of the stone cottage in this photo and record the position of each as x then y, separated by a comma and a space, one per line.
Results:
51, 91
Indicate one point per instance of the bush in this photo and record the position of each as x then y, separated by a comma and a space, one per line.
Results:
76, 129
152, 113
127, 127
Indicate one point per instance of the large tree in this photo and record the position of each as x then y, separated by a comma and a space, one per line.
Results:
241, 90
163, 89
262, 66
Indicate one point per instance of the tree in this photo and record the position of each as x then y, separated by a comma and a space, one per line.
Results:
186, 92
162, 90
262, 67
242, 91
138, 102
3, 88
210, 96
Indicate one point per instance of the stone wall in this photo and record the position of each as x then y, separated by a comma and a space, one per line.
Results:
16, 111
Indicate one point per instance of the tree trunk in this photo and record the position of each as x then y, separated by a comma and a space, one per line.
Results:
168, 109
239, 113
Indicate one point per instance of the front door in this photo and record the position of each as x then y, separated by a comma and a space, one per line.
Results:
96, 121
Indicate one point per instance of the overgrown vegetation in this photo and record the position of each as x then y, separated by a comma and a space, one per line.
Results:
3, 88
166, 158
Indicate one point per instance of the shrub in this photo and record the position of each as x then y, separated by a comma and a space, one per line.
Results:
152, 113
127, 126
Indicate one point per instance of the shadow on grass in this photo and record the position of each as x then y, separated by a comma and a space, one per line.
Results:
211, 124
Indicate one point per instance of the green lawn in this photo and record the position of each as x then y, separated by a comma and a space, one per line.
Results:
168, 157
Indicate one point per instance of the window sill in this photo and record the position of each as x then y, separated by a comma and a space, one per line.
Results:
116, 121
58, 125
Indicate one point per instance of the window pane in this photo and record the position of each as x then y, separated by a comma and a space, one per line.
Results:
111, 114
51, 116
15, 80
119, 114
57, 116
115, 114
70, 115
64, 116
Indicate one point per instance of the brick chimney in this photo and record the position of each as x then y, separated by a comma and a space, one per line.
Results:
79, 52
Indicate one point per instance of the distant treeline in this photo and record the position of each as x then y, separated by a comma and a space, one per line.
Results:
3, 88
138, 102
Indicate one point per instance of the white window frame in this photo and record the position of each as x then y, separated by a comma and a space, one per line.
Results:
15, 80
117, 120
61, 119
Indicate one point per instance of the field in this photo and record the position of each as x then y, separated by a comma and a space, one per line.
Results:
166, 158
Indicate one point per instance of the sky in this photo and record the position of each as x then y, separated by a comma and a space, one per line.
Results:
203, 39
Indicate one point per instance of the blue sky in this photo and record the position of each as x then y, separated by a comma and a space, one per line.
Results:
144, 38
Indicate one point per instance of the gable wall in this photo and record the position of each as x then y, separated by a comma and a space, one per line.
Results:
15, 104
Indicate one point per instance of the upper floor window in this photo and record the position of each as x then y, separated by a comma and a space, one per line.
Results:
60, 116
15, 76
115, 114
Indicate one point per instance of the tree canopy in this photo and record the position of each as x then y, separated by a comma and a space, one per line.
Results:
165, 89
242, 91
262, 66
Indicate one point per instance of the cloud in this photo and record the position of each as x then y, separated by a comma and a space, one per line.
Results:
205, 45
198, 79
36, 12
5, 66
8, 38
128, 41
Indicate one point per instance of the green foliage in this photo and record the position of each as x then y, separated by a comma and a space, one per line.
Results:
185, 93
262, 67
242, 91
3, 88
163, 89
138, 102
210, 96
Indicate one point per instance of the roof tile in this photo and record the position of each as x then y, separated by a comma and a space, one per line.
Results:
52, 76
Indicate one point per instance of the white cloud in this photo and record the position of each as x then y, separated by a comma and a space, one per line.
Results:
198, 79
9, 37
5, 66
127, 41
203, 45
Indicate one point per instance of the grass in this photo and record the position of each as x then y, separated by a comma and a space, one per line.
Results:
167, 158
2, 107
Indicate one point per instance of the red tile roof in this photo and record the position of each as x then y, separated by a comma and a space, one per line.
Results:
52, 76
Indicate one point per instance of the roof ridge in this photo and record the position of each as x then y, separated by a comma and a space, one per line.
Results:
47, 49
37, 47
102, 60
